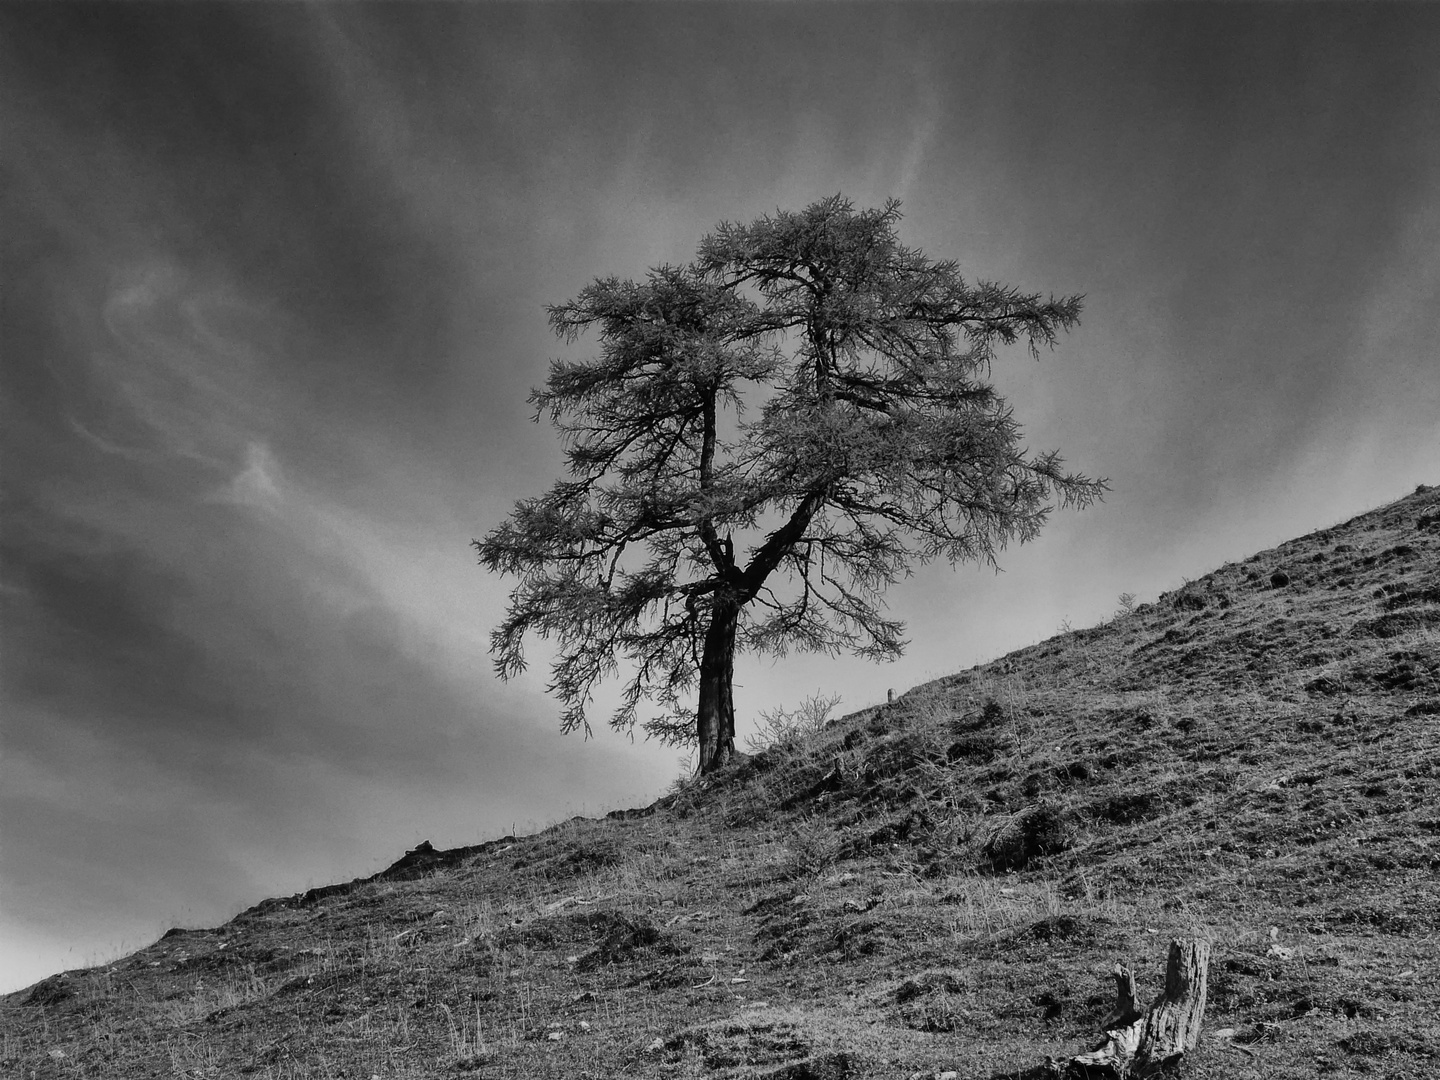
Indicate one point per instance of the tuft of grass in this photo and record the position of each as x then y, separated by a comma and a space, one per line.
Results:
812, 849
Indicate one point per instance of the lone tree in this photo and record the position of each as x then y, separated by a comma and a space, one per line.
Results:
689, 528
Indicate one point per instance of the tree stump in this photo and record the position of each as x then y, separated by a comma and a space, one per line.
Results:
1143, 1044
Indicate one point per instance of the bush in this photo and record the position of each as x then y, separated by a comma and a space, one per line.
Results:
1035, 832
814, 848
1188, 598
781, 726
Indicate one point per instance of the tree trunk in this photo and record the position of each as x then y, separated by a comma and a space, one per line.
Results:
715, 715
1144, 1044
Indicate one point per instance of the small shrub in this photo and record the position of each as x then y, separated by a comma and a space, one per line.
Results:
1188, 599
1033, 833
1279, 579
779, 727
1127, 604
813, 849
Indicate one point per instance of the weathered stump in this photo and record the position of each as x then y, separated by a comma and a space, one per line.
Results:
1143, 1044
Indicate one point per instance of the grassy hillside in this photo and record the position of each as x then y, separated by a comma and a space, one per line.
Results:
938, 885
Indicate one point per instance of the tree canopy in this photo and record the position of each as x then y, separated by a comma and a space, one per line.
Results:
767, 438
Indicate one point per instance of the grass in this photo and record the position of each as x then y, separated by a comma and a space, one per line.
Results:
939, 884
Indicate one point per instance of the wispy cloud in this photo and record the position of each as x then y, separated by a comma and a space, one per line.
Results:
924, 120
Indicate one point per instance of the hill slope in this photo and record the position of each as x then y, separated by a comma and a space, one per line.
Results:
940, 884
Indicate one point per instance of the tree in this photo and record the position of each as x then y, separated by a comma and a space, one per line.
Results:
768, 437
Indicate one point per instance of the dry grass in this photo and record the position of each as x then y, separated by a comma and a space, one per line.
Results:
938, 884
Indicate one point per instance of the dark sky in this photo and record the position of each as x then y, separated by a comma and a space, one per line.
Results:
273, 288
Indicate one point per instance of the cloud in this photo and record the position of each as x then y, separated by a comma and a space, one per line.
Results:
257, 485
201, 611
171, 368
924, 125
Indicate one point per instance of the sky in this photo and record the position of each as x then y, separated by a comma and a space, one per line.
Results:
273, 298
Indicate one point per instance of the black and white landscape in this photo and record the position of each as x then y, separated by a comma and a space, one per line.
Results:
274, 290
